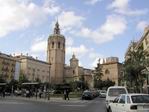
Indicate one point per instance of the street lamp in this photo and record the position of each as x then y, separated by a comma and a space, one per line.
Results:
49, 82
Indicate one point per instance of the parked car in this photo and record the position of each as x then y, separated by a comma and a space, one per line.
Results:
102, 93
130, 103
95, 93
18, 92
87, 95
113, 92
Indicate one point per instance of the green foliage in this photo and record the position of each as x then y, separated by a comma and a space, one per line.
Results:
104, 84
23, 78
97, 75
135, 69
2, 80
78, 85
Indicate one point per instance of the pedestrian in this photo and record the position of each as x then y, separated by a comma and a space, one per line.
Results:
4, 93
36, 92
65, 94
40, 93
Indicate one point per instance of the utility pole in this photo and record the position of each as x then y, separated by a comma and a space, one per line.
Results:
49, 82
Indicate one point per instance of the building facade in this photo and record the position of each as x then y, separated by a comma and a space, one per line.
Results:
7, 67
112, 69
74, 72
34, 69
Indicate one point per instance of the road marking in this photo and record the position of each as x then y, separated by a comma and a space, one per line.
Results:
73, 105
10, 102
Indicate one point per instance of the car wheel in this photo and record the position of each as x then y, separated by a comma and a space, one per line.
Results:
107, 110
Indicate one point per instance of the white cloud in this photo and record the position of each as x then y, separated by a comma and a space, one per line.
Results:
69, 41
16, 15
40, 46
95, 58
79, 51
119, 4
83, 51
69, 20
50, 7
141, 25
114, 25
92, 2
122, 7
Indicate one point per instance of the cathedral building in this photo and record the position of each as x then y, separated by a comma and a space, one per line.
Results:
59, 71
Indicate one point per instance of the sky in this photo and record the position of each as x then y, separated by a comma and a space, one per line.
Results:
93, 29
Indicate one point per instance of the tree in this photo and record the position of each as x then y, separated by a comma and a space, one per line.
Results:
2, 79
104, 84
135, 68
97, 75
22, 79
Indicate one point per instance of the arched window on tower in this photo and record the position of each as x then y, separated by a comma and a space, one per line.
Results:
59, 45
107, 72
52, 44
73, 72
63, 46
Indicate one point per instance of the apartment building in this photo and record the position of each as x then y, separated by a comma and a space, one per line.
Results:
7, 67
34, 69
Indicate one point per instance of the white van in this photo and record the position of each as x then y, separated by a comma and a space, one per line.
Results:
113, 92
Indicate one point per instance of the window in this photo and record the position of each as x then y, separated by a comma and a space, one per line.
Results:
63, 46
107, 71
52, 44
128, 99
122, 99
116, 91
116, 100
140, 98
59, 45
73, 72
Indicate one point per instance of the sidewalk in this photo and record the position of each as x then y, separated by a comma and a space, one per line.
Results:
52, 99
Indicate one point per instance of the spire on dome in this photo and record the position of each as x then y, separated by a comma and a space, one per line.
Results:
57, 29
73, 56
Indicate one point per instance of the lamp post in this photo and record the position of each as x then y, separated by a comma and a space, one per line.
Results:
49, 82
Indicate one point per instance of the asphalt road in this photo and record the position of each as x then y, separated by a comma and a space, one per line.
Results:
13, 105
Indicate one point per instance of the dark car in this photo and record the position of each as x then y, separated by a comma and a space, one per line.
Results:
87, 95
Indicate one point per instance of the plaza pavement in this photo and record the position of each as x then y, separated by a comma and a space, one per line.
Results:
52, 99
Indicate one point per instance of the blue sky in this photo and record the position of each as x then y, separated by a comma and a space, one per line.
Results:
93, 28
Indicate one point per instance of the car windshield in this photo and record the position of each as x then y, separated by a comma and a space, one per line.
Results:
116, 91
103, 91
140, 98
87, 92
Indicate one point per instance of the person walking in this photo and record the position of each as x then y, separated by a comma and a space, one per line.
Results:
4, 93
67, 94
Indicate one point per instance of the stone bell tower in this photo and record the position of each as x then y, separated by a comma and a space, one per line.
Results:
56, 55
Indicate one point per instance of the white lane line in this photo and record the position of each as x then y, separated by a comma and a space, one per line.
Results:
16, 103
73, 105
